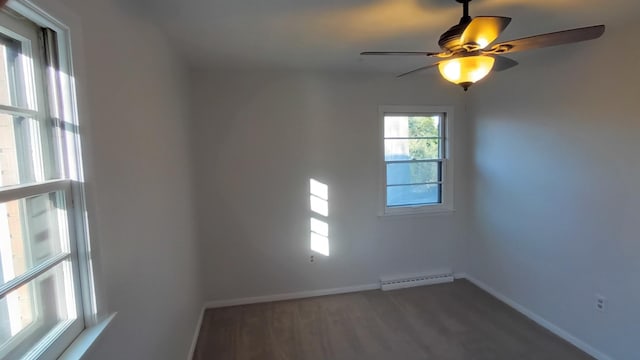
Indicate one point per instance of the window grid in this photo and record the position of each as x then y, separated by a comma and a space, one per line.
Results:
439, 159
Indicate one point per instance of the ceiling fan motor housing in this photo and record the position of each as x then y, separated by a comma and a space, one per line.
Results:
450, 40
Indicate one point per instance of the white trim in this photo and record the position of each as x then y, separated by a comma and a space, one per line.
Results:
461, 275
16, 340
12, 110
56, 340
538, 319
32, 273
447, 205
290, 296
83, 343
417, 211
17, 192
194, 341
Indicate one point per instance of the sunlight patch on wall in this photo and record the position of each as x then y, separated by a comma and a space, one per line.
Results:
319, 204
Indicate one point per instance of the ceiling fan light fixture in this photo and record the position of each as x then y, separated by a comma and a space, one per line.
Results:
468, 55
466, 71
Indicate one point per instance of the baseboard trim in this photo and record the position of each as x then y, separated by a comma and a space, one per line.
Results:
194, 342
290, 296
538, 319
457, 276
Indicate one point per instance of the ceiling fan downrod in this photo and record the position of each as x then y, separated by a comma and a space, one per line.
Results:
465, 11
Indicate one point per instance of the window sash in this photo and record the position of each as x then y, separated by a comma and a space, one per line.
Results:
26, 38
19, 192
65, 331
56, 339
441, 159
431, 161
414, 138
438, 160
18, 111
418, 204
441, 126
32, 273
420, 183
441, 175
442, 136
45, 137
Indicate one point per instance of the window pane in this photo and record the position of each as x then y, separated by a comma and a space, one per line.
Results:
424, 126
12, 88
413, 195
31, 232
411, 126
411, 149
413, 173
30, 312
21, 153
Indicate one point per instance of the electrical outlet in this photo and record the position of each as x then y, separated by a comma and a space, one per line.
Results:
601, 303
312, 258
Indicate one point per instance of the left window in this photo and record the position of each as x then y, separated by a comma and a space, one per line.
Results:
43, 286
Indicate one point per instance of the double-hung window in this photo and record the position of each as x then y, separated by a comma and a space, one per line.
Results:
45, 298
416, 159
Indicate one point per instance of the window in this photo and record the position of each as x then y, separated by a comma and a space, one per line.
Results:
45, 278
416, 159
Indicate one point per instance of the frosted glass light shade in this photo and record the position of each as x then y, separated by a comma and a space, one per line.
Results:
465, 71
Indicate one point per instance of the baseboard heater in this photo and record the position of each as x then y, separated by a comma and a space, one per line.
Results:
406, 281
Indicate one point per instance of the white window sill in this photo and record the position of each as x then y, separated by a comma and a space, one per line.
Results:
81, 345
398, 213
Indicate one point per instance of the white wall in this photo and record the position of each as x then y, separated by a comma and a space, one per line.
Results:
261, 136
134, 122
556, 200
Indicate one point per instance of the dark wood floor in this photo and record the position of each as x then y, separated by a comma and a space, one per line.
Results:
455, 321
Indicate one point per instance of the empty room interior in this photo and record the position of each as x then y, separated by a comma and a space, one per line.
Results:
306, 179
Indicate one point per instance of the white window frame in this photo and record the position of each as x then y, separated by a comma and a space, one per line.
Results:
446, 204
73, 186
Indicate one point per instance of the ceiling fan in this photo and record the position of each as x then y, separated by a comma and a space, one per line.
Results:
468, 55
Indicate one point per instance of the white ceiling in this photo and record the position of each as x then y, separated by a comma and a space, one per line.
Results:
329, 34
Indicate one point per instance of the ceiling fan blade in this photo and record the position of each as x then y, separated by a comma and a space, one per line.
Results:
418, 70
402, 53
482, 31
503, 63
551, 39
